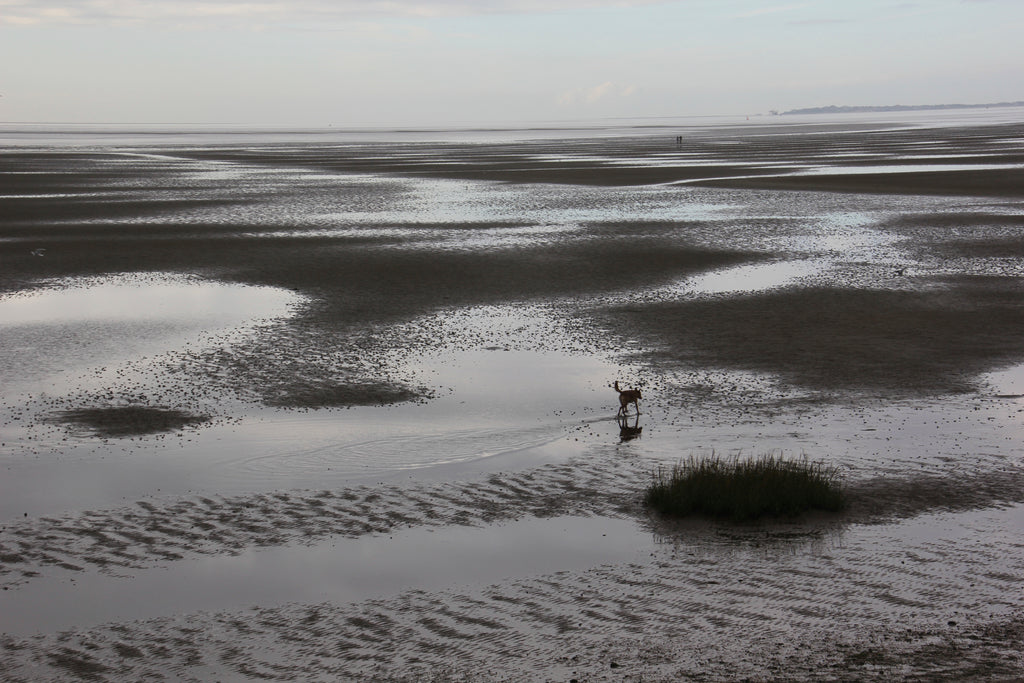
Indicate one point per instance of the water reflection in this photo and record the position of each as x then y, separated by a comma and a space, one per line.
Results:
698, 536
752, 278
345, 570
83, 322
629, 432
144, 297
1008, 383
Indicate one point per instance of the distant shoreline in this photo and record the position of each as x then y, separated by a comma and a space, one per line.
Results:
833, 109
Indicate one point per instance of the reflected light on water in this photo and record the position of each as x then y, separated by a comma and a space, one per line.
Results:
1009, 382
132, 298
345, 570
76, 324
752, 278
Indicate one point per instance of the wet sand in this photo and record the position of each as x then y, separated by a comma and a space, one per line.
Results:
425, 279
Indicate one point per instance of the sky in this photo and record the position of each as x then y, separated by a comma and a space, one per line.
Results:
493, 62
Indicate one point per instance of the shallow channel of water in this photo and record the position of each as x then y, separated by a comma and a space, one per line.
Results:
341, 570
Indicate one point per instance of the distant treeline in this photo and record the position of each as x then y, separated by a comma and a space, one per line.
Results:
833, 109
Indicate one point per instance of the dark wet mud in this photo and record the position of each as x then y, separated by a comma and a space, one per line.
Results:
446, 324
128, 420
900, 342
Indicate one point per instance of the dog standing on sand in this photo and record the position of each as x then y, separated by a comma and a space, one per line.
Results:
626, 397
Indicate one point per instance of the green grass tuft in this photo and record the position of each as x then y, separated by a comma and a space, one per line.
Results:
767, 486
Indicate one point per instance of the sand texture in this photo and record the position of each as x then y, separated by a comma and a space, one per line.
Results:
333, 408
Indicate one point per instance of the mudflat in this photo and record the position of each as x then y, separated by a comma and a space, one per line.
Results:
340, 408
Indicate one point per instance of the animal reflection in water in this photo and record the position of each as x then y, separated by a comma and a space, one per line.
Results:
627, 432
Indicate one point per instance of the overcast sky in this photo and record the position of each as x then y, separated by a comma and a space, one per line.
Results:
458, 62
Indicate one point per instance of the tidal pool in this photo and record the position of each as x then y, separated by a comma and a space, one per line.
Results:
166, 298
71, 325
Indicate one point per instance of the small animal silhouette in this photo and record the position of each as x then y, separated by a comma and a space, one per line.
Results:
627, 396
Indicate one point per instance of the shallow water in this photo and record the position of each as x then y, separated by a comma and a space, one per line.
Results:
518, 385
343, 570
54, 334
521, 416
351, 570
158, 298
1007, 383
486, 412
755, 278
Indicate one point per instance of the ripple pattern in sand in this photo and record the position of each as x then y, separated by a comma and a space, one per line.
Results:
850, 609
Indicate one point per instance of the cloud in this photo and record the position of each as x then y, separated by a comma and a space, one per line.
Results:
243, 12
770, 10
819, 22
596, 93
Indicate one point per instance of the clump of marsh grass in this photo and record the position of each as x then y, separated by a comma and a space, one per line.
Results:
745, 489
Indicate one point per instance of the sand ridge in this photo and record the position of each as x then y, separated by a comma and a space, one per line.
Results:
390, 246
873, 615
